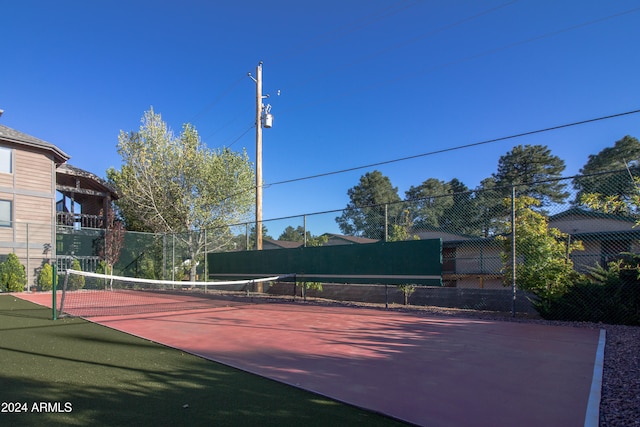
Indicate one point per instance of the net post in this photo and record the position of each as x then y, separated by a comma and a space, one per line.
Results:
295, 282
64, 289
386, 296
54, 285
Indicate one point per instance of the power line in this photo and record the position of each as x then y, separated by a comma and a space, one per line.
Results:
433, 196
243, 134
324, 38
430, 153
460, 147
224, 126
217, 99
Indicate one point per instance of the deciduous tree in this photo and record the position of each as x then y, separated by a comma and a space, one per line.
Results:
544, 266
176, 184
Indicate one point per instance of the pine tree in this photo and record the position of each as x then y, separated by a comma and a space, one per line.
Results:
533, 170
365, 213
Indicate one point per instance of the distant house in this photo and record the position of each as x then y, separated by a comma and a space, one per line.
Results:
32, 172
475, 262
467, 261
339, 239
279, 244
333, 239
604, 236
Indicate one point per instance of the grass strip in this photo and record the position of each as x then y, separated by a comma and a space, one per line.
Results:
76, 373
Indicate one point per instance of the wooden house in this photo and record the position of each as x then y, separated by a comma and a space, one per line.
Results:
33, 173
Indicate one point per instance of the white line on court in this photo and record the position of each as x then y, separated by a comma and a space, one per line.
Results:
592, 418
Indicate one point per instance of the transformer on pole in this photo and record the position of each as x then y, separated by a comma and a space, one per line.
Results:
264, 118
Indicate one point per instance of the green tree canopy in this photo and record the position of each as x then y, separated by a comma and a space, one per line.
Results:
491, 215
462, 216
543, 263
45, 277
12, 274
291, 234
534, 167
175, 184
364, 215
75, 282
298, 234
623, 159
252, 235
429, 201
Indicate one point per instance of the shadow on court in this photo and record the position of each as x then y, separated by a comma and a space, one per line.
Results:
86, 374
435, 371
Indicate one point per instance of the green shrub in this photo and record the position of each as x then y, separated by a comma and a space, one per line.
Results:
608, 295
45, 277
306, 286
407, 290
12, 276
75, 281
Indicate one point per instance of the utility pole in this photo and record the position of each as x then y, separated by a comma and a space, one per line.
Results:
263, 119
259, 156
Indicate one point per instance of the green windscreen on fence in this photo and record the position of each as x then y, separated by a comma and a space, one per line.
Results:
408, 262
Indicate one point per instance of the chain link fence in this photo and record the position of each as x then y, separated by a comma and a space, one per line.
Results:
32, 244
535, 248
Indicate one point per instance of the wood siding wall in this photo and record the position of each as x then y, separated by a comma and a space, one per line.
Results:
31, 189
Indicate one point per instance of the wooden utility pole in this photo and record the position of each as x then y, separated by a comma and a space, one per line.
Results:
259, 156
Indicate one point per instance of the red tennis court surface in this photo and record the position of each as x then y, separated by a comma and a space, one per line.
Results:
426, 370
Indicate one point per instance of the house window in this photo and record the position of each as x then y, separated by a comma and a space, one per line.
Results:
449, 260
5, 213
5, 160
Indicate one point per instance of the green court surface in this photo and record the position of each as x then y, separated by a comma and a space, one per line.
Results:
76, 373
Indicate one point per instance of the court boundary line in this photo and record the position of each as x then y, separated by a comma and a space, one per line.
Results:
592, 416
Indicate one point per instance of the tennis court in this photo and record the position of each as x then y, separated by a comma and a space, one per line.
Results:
426, 370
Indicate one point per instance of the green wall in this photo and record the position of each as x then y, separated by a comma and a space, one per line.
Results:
408, 262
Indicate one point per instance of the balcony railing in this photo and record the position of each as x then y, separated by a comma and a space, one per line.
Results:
79, 220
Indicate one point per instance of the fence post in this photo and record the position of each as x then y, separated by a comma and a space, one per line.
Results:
206, 267
513, 250
164, 256
27, 284
54, 286
304, 222
386, 222
173, 257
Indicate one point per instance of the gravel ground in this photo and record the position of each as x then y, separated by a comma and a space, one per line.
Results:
620, 405
620, 400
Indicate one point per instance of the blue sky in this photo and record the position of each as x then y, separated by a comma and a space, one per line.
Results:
360, 81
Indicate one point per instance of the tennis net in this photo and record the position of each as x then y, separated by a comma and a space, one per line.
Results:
85, 294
